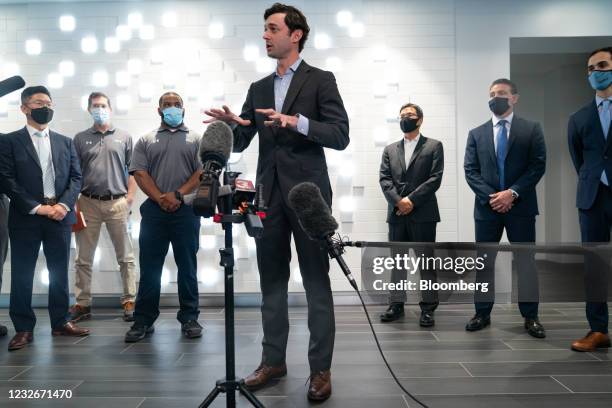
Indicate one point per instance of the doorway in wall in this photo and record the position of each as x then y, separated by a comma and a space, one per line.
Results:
552, 80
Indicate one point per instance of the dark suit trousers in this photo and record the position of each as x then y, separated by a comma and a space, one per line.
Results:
159, 229
518, 230
414, 232
25, 246
273, 257
4, 237
595, 224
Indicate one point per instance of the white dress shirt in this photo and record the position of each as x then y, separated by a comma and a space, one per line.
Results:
35, 139
497, 128
409, 146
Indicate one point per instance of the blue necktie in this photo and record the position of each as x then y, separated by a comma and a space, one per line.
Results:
604, 117
502, 145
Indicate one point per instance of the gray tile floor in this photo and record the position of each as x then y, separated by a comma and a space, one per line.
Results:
499, 367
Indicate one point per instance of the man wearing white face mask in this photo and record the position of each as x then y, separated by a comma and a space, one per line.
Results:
107, 193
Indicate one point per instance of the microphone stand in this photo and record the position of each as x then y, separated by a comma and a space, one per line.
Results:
230, 383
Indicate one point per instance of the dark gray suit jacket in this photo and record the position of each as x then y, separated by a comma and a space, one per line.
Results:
291, 156
418, 181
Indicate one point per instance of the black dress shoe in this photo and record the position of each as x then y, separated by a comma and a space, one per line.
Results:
535, 328
427, 319
191, 329
138, 332
3, 331
478, 323
394, 312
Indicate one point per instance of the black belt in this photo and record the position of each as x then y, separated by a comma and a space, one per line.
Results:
49, 201
104, 197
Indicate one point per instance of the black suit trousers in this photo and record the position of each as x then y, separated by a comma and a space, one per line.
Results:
408, 231
518, 230
273, 260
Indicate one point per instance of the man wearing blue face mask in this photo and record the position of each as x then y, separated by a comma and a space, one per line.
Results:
107, 193
590, 144
167, 167
505, 158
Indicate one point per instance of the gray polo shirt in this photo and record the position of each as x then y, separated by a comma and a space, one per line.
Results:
170, 157
105, 159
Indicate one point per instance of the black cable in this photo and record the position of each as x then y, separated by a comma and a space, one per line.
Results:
383, 355
340, 242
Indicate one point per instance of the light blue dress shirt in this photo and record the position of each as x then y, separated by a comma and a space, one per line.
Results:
281, 86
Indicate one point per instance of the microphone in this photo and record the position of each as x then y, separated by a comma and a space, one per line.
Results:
216, 145
315, 218
215, 149
11, 84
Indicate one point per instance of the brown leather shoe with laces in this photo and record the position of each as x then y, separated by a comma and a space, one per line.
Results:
79, 313
20, 340
592, 341
263, 375
320, 387
70, 329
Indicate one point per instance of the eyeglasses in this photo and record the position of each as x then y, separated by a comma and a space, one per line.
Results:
409, 116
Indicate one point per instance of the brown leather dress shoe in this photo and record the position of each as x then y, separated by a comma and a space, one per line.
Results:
320, 387
263, 375
20, 340
78, 313
70, 329
591, 342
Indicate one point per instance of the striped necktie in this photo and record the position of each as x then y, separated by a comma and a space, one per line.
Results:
46, 164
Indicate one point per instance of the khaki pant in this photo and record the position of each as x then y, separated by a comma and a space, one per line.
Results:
113, 213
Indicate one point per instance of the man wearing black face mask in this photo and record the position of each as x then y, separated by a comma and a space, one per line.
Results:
410, 174
40, 172
505, 158
590, 139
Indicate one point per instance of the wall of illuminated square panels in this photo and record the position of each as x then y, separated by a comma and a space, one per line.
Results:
383, 53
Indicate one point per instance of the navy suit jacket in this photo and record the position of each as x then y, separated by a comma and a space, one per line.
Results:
21, 176
525, 165
590, 152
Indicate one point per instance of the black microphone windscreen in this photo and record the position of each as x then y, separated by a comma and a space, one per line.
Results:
217, 142
312, 211
11, 84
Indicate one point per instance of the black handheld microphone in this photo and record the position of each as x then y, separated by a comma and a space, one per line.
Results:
317, 221
215, 149
11, 84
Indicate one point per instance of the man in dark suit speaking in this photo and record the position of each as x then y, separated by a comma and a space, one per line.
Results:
410, 174
505, 158
297, 111
590, 144
40, 172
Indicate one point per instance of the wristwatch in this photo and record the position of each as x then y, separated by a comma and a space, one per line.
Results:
514, 194
179, 196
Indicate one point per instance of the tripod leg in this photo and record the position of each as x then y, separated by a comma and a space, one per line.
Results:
211, 397
248, 395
